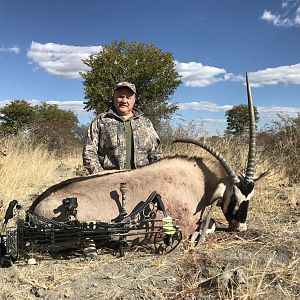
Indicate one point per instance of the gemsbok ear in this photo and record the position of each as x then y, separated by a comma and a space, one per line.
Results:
260, 176
257, 177
218, 193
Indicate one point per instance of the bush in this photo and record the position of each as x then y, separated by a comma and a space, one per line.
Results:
281, 142
56, 128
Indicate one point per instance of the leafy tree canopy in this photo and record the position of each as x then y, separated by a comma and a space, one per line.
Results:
54, 126
46, 123
151, 70
16, 116
238, 119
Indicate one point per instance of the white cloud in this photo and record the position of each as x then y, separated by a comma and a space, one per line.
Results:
207, 126
61, 60
297, 17
267, 112
213, 121
233, 77
273, 76
4, 102
13, 49
76, 106
214, 126
195, 74
268, 16
204, 105
31, 102
290, 15
271, 112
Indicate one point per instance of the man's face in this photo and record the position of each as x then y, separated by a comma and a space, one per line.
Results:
124, 100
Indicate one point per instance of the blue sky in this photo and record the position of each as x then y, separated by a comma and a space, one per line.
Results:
213, 43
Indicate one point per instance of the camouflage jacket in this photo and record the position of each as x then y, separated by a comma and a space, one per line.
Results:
105, 147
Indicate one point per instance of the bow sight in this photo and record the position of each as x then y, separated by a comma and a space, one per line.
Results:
38, 234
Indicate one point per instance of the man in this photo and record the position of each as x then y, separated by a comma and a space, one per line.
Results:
122, 138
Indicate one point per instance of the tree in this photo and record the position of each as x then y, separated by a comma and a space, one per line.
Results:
16, 117
151, 70
46, 123
55, 127
238, 119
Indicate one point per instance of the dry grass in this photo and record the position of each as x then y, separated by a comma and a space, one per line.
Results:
26, 170
267, 255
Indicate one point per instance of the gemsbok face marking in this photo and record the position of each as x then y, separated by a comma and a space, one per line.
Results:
235, 205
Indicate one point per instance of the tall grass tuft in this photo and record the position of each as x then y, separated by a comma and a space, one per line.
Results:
26, 169
282, 145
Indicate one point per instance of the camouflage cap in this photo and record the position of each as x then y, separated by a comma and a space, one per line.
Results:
126, 84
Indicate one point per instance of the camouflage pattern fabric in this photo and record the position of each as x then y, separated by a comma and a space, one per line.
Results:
105, 147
